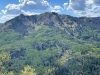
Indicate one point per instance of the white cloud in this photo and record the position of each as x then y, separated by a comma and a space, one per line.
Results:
93, 2
31, 2
12, 11
77, 5
84, 7
5, 18
34, 4
26, 5
56, 8
65, 5
30, 13
97, 2
89, 1
55, 11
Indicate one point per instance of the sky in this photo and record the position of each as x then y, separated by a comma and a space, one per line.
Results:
12, 8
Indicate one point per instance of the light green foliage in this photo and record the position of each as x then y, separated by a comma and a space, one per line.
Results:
28, 71
4, 59
10, 73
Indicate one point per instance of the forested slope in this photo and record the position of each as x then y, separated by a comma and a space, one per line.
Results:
50, 44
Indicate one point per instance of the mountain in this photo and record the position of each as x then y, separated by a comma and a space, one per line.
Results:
51, 44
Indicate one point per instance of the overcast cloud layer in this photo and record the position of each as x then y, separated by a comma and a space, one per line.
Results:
90, 8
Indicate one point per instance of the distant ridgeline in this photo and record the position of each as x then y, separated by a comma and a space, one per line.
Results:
50, 44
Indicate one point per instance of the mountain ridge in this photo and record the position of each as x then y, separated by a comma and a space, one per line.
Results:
50, 19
